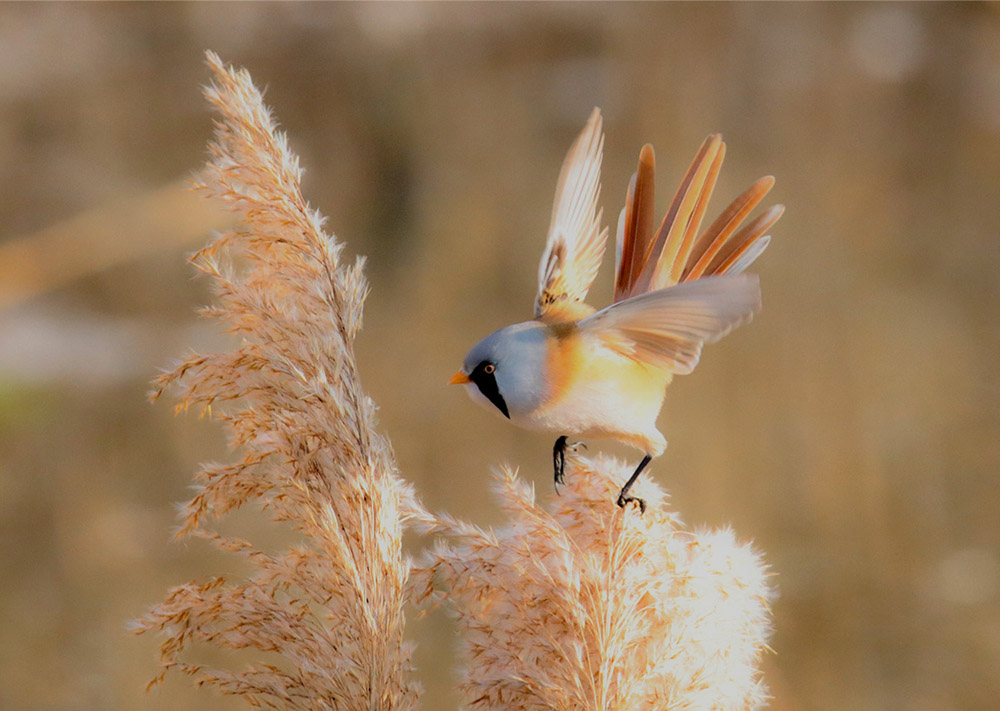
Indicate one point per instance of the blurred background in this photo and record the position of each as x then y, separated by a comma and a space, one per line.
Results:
852, 431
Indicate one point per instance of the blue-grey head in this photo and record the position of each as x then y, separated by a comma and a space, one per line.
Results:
506, 370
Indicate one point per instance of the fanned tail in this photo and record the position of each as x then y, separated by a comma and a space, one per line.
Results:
676, 253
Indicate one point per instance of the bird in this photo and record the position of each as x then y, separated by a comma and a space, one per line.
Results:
578, 371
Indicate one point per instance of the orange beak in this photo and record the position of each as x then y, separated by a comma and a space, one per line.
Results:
459, 378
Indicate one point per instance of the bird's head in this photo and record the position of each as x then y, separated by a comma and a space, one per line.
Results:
507, 369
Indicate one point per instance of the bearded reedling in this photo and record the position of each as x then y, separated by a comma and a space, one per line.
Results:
577, 371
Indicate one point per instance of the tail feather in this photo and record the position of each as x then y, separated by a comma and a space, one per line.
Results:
694, 189
635, 238
694, 224
748, 256
719, 232
743, 240
647, 263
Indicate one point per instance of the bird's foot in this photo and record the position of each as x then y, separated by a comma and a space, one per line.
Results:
559, 450
624, 499
559, 462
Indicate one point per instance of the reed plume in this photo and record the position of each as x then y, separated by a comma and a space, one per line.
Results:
575, 605
332, 606
584, 605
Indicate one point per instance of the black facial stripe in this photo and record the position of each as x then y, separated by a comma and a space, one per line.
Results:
487, 384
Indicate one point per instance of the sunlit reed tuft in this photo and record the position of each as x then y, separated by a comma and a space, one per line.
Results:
582, 605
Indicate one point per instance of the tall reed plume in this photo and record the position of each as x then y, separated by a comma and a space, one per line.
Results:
573, 605
292, 402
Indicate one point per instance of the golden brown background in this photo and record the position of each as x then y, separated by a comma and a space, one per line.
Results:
853, 430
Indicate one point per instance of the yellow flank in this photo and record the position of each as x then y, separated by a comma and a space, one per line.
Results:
565, 358
587, 378
574, 359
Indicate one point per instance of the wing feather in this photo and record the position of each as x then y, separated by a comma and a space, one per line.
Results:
576, 242
667, 328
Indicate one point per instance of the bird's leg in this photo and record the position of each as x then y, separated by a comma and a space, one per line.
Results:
623, 497
559, 461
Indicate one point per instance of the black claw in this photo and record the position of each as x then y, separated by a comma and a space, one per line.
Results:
559, 461
623, 501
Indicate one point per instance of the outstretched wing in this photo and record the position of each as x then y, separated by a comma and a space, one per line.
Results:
667, 328
576, 240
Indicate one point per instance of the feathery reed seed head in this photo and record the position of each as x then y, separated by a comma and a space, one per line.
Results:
581, 605
291, 399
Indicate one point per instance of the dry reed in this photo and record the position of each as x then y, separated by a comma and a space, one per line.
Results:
103, 237
584, 605
290, 396
579, 605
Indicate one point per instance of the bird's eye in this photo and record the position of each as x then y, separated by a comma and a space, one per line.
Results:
489, 369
